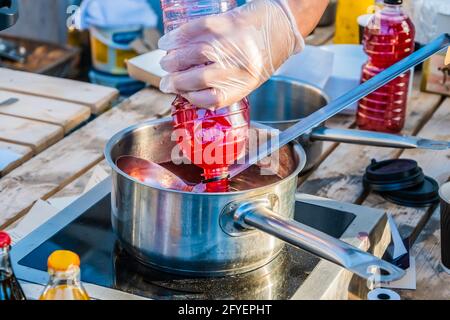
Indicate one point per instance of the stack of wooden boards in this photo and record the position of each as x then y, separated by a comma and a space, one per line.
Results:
36, 111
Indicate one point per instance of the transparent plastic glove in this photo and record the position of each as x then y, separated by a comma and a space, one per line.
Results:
217, 60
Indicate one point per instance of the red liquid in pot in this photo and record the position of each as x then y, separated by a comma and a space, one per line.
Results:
249, 179
192, 175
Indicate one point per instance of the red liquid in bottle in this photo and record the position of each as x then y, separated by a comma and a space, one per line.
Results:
212, 140
388, 38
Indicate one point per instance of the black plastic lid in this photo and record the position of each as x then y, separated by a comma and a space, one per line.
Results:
393, 1
391, 175
422, 195
8, 13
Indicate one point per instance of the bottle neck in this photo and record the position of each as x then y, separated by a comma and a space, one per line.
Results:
5, 261
392, 8
221, 185
70, 277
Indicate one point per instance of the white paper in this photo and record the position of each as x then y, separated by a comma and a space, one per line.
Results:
399, 246
313, 65
38, 214
346, 75
62, 202
408, 282
98, 176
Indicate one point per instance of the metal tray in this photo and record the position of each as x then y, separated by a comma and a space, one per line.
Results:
64, 62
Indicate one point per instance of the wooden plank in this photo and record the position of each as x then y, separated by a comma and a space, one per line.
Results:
339, 176
76, 187
52, 170
98, 98
66, 114
433, 283
12, 156
35, 134
434, 163
72, 191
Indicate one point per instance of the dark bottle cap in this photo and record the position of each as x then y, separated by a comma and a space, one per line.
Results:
391, 175
393, 1
5, 240
422, 195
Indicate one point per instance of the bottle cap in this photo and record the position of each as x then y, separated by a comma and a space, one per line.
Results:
62, 260
391, 175
5, 239
425, 194
393, 1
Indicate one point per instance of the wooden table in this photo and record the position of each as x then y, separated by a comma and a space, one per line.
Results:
36, 111
64, 169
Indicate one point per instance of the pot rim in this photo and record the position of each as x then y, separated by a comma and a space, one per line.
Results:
292, 80
299, 150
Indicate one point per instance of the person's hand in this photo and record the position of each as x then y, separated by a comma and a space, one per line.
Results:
217, 60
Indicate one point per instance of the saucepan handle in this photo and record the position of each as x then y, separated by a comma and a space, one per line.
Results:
257, 215
378, 139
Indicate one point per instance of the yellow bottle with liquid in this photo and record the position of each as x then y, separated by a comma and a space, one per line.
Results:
64, 283
348, 11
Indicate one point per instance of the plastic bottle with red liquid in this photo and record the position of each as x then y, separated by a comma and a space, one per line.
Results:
388, 38
212, 140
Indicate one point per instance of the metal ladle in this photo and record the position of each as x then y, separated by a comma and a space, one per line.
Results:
336, 106
151, 173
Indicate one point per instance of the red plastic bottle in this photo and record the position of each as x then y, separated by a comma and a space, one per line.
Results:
212, 140
388, 38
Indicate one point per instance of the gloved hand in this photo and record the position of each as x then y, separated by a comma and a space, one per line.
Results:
217, 60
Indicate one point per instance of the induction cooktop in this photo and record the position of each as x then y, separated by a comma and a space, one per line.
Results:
110, 272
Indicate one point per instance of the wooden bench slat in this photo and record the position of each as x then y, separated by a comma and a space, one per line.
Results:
12, 156
66, 114
52, 170
339, 177
37, 135
98, 98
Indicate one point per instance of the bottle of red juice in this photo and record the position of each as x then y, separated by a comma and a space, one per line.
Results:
388, 38
215, 138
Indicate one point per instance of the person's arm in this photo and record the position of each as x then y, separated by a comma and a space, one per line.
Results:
218, 60
307, 13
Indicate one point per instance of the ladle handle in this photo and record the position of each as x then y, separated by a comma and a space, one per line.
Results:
378, 139
336, 106
257, 215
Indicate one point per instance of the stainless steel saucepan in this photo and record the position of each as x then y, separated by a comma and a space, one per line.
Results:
207, 234
283, 101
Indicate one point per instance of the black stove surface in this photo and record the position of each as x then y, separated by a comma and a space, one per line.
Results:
104, 263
